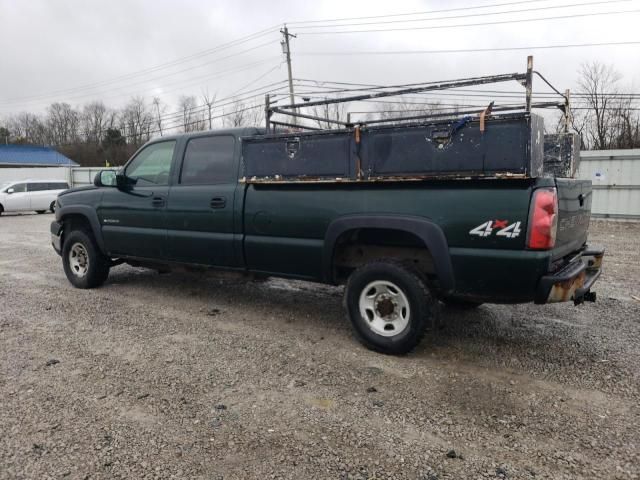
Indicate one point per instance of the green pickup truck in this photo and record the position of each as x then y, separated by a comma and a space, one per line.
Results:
400, 247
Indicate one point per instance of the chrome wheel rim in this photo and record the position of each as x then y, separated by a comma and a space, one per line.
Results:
78, 260
384, 308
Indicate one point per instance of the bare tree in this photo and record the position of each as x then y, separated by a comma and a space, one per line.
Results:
63, 122
332, 111
599, 85
136, 120
209, 100
94, 121
192, 118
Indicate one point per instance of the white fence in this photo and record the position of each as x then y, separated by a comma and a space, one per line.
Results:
81, 176
616, 182
75, 176
36, 173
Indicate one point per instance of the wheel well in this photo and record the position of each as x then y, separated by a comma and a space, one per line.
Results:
75, 221
1, 208
358, 246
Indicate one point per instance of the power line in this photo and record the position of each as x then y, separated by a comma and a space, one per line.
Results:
465, 50
146, 81
535, 9
258, 79
497, 22
154, 68
419, 13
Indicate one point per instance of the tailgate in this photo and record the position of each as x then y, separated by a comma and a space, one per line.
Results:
574, 212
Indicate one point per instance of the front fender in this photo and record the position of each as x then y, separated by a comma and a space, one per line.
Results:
431, 235
87, 212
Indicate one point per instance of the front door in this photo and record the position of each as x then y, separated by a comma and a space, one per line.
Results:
133, 219
200, 215
18, 200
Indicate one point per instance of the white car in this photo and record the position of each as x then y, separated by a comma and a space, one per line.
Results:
25, 195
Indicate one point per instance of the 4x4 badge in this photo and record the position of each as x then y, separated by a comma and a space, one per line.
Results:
504, 229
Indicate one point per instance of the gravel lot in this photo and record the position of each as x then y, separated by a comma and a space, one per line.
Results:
192, 376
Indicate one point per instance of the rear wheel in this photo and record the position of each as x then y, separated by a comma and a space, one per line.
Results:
52, 207
389, 306
84, 265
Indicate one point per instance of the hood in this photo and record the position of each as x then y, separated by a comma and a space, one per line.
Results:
78, 189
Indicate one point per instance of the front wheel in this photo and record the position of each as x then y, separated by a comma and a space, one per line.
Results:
84, 264
389, 306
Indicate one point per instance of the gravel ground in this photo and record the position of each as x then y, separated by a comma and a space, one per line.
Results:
191, 376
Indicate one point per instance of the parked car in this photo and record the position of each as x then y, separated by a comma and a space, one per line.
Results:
398, 246
30, 195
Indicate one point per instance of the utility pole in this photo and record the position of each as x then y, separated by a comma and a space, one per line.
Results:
287, 51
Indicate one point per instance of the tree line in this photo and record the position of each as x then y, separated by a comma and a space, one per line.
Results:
604, 116
95, 134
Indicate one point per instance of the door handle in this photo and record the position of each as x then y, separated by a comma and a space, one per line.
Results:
158, 202
218, 202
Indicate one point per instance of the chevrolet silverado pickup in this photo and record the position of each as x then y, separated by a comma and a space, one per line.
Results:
399, 244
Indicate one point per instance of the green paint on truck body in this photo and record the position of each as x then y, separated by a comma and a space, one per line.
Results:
281, 229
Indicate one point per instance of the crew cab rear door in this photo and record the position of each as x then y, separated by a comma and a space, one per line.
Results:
200, 212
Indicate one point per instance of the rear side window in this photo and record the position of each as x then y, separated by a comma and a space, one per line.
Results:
38, 187
208, 160
58, 186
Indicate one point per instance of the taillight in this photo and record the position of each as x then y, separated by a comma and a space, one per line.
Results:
543, 223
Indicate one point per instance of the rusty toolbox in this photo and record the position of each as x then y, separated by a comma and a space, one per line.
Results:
501, 145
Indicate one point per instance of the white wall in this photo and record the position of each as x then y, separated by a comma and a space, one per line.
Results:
35, 173
79, 176
616, 182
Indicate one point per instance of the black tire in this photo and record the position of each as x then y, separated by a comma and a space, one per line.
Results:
422, 312
52, 207
460, 304
97, 267
40, 212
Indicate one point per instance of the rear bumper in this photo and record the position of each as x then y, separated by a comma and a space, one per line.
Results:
574, 280
56, 237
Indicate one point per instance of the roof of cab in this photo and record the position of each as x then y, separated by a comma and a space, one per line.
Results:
236, 132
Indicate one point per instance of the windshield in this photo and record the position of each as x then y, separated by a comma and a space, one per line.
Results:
3, 186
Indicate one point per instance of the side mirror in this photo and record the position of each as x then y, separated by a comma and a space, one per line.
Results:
105, 178
10, 190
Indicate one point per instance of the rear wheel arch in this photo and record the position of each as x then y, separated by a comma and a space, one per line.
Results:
428, 235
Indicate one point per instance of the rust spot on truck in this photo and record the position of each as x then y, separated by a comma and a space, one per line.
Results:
595, 262
565, 291
277, 179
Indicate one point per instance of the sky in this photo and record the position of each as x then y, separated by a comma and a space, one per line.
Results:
82, 50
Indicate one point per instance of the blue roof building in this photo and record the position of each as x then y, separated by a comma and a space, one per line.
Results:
32, 156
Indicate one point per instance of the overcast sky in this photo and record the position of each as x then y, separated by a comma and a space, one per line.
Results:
84, 47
